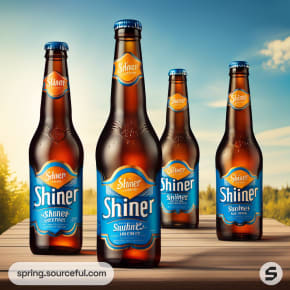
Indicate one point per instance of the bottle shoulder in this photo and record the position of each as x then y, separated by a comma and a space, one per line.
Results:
239, 152
179, 147
238, 143
121, 144
169, 139
64, 146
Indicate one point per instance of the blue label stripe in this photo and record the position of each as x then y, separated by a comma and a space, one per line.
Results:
239, 168
178, 162
127, 169
127, 84
58, 97
240, 224
164, 209
113, 246
66, 233
50, 164
238, 109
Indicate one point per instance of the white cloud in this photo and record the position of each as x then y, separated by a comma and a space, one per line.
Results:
214, 94
275, 137
279, 53
218, 104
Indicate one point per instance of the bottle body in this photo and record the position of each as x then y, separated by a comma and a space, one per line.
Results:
128, 159
56, 160
179, 186
239, 164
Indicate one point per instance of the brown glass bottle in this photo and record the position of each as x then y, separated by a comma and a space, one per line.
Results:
56, 161
239, 165
128, 158
180, 156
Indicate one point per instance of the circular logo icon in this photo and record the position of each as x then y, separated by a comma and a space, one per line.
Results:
271, 273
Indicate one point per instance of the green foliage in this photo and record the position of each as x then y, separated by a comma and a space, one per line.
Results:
277, 203
207, 201
90, 202
14, 200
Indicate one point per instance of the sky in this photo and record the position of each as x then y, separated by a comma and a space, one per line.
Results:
201, 36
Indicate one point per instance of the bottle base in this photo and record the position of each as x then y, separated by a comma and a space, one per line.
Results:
233, 232
239, 237
180, 226
60, 245
130, 257
54, 251
125, 263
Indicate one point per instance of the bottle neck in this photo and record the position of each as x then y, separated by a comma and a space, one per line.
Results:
177, 116
239, 116
128, 88
56, 104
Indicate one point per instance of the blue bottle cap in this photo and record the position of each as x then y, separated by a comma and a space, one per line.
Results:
56, 45
177, 71
238, 63
128, 23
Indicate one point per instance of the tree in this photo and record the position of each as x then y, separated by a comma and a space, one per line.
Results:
4, 192
14, 201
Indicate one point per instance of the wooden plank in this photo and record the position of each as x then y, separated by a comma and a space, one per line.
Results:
193, 255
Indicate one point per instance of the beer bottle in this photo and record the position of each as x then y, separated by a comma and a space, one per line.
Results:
239, 165
180, 157
128, 158
56, 161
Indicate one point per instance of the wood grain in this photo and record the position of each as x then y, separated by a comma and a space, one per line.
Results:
190, 258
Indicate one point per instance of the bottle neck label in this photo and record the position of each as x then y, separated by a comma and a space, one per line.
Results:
179, 187
128, 69
128, 209
55, 199
55, 85
239, 99
177, 103
239, 196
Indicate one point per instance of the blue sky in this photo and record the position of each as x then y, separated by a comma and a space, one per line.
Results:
200, 36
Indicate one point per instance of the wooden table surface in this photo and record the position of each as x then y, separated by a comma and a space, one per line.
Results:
191, 259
